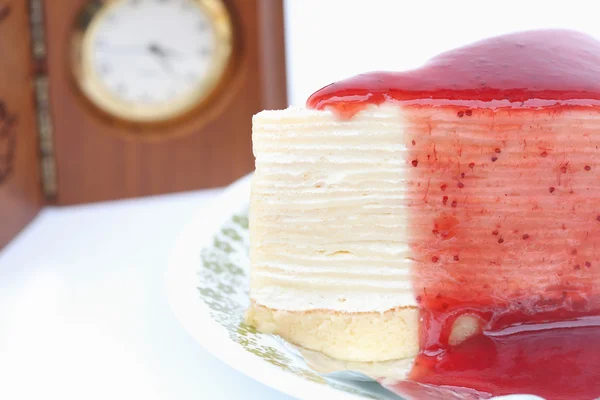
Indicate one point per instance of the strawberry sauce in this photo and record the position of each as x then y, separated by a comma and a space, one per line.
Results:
530, 69
503, 158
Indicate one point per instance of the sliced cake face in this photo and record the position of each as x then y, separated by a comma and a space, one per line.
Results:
330, 261
327, 216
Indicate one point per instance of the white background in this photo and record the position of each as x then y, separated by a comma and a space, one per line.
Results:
333, 39
82, 307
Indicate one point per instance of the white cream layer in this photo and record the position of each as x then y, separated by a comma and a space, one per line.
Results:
327, 226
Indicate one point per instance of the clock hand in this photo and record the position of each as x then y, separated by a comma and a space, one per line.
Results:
156, 50
162, 51
161, 56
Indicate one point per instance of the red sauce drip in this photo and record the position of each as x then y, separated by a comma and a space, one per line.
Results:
549, 351
530, 69
564, 359
505, 209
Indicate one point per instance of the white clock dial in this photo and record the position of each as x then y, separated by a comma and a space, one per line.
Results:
154, 59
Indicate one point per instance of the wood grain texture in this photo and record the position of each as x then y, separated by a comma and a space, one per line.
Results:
20, 193
272, 53
99, 158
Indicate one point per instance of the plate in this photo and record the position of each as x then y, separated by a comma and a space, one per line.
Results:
207, 287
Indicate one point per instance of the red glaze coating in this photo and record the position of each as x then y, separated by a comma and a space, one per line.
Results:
503, 140
528, 69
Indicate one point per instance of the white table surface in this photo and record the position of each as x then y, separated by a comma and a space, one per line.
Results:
84, 314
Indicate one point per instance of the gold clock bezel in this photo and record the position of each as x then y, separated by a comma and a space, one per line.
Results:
98, 94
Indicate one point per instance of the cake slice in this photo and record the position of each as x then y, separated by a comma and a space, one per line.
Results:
408, 211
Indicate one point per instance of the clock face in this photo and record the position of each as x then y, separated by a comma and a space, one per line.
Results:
152, 60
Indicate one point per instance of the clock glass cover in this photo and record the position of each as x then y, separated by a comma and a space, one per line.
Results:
153, 60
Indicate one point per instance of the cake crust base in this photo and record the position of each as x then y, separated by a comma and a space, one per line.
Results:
362, 337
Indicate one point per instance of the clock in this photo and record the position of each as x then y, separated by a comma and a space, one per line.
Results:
110, 99
131, 70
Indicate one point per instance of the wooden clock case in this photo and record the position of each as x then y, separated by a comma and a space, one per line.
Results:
63, 150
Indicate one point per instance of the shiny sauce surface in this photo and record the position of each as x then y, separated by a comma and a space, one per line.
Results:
503, 140
529, 69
